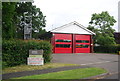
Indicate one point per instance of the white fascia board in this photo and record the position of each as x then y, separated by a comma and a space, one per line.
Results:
74, 28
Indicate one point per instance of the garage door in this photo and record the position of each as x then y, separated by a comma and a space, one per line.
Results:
82, 44
63, 43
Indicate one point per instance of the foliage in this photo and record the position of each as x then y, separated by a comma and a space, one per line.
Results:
102, 24
15, 52
13, 19
46, 36
37, 34
38, 20
0, 27
8, 12
105, 40
107, 49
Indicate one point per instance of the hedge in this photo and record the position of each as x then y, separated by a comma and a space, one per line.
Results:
15, 52
107, 49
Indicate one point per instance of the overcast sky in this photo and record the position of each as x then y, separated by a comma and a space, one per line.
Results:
60, 12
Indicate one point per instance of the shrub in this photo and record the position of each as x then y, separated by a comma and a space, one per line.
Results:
107, 49
15, 52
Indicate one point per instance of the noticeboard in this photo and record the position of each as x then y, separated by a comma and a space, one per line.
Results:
35, 57
35, 61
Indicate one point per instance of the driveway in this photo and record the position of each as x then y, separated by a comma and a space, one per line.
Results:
106, 61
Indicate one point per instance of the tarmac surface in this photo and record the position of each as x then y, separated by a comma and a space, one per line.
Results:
36, 72
106, 61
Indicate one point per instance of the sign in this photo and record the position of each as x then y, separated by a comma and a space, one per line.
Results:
35, 52
35, 61
35, 57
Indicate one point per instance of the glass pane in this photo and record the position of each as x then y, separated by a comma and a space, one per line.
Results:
81, 46
63, 45
82, 41
60, 40
57, 45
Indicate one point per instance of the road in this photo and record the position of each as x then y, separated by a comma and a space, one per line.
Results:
106, 61
111, 77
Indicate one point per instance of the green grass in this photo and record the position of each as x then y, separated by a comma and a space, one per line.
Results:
69, 74
33, 67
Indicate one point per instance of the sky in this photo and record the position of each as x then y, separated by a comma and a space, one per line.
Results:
61, 12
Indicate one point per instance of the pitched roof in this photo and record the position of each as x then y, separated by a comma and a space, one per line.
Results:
74, 28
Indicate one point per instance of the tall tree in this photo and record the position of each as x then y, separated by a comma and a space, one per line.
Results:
38, 20
8, 12
102, 24
13, 17
0, 19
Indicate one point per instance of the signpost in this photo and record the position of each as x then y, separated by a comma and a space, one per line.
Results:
35, 57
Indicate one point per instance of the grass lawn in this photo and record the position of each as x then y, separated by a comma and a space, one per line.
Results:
69, 74
32, 67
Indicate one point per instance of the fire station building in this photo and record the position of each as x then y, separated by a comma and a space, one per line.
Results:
72, 38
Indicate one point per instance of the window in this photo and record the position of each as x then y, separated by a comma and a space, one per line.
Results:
81, 46
62, 45
82, 41
60, 40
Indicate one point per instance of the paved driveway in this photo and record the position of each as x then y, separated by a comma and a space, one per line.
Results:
106, 61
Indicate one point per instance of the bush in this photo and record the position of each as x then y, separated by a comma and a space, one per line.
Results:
15, 52
107, 49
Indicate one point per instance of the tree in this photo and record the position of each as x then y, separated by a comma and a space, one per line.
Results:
37, 34
8, 12
13, 15
0, 29
102, 24
38, 20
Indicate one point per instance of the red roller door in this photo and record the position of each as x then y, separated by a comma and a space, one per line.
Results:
63, 43
69, 43
82, 44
